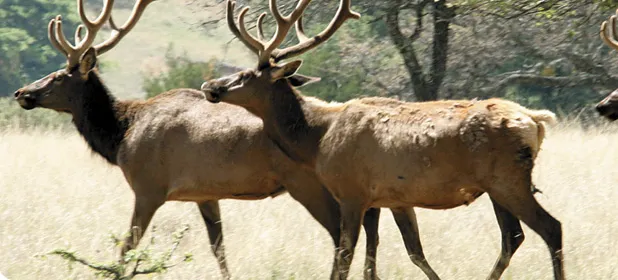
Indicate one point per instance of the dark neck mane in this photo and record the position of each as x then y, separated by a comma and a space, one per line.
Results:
100, 119
292, 125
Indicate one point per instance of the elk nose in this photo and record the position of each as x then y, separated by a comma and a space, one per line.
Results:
17, 93
204, 86
601, 108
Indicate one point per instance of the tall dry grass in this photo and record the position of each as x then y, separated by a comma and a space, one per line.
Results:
55, 194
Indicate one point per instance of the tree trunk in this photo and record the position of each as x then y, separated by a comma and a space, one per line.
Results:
426, 86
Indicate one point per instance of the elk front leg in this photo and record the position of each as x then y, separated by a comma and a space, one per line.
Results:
370, 223
512, 237
351, 220
145, 208
408, 226
212, 218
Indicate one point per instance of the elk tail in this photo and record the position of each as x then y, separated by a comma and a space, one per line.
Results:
542, 118
545, 116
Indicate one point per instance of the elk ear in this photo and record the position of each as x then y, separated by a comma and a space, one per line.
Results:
88, 61
285, 70
298, 80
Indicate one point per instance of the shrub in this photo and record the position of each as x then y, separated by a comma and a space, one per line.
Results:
181, 73
135, 262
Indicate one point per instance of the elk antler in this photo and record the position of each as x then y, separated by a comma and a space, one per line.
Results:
119, 33
609, 34
74, 52
267, 50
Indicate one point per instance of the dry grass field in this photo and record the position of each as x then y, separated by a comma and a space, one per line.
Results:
54, 193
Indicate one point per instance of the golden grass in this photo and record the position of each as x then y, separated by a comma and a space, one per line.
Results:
55, 194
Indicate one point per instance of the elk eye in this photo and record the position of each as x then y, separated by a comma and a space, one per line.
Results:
58, 78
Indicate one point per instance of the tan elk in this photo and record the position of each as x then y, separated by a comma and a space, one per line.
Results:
379, 152
178, 146
608, 107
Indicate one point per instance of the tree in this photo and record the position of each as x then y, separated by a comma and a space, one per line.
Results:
25, 52
540, 53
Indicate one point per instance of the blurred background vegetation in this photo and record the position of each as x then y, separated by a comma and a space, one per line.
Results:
543, 54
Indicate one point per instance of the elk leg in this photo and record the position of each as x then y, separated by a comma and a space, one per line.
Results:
370, 223
513, 193
322, 207
143, 212
212, 218
406, 221
512, 237
351, 220
325, 209
548, 228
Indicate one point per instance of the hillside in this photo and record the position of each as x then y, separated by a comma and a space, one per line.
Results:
176, 22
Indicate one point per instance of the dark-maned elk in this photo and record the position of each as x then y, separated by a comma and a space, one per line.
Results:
379, 152
608, 107
178, 146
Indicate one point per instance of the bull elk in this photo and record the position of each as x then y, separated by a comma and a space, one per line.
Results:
178, 146
608, 107
379, 152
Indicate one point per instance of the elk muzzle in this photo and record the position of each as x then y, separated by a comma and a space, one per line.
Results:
25, 99
608, 107
211, 94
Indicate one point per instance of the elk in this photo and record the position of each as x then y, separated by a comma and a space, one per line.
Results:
380, 152
178, 146
608, 107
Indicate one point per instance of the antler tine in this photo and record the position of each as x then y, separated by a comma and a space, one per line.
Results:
71, 52
300, 30
78, 33
343, 13
92, 27
615, 32
229, 14
245, 35
51, 35
100, 20
283, 26
608, 32
258, 26
119, 33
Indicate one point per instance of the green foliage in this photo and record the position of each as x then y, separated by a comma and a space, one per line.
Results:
13, 116
342, 79
135, 262
25, 52
181, 73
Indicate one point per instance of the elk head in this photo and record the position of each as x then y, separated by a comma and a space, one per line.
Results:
608, 107
61, 89
252, 88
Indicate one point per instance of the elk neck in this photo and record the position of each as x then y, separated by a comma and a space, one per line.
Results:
100, 119
295, 124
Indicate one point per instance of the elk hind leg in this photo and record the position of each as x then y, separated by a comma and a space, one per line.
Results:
513, 193
512, 237
212, 218
370, 223
408, 226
